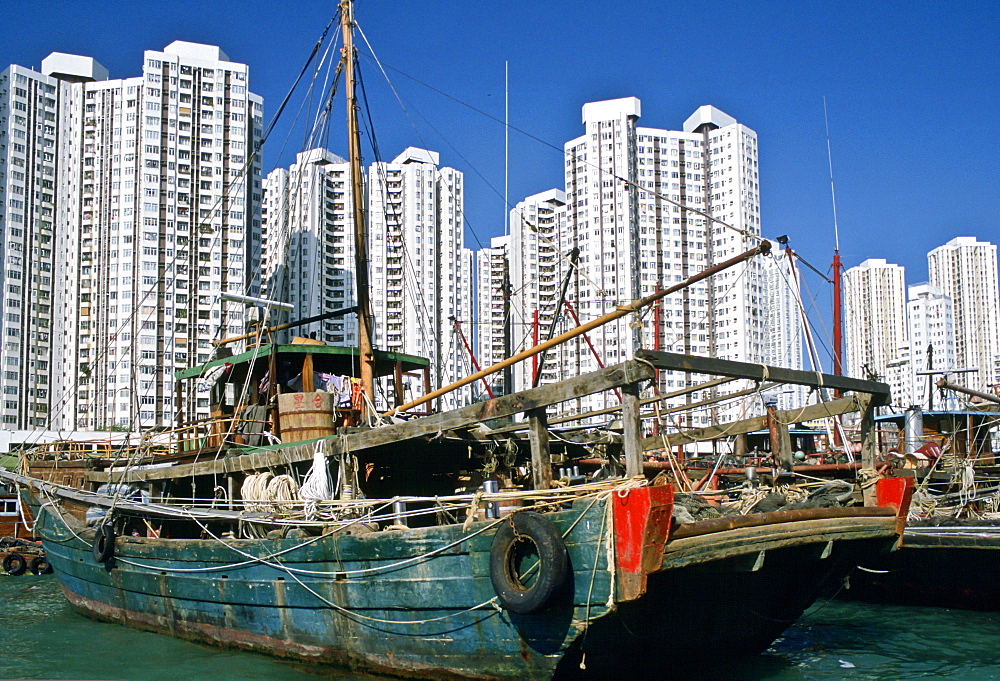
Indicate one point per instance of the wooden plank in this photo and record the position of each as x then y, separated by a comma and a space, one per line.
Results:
358, 439
781, 442
644, 401
785, 446
631, 430
813, 411
308, 375
397, 379
746, 540
506, 405
541, 457
759, 372
869, 444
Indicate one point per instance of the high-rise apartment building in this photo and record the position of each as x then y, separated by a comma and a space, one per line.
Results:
420, 271
899, 375
540, 253
29, 163
965, 270
874, 317
638, 201
928, 348
156, 215
493, 340
782, 318
308, 244
637, 205
931, 319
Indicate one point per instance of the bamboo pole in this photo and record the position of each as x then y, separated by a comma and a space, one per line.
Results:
287, 325
945, 384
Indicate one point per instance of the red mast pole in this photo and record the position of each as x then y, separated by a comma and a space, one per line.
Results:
472, 355
593, 350
838, 320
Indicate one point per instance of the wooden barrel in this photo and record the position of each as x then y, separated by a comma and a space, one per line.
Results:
305, 416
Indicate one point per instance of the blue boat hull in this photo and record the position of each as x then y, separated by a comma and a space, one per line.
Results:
420, 602
431, 616
948, 567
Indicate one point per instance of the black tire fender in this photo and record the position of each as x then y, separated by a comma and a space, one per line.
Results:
103, 547
14, 564
39, 565
526, 531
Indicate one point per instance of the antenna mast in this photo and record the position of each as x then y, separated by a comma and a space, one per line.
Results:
506, 148
838, 268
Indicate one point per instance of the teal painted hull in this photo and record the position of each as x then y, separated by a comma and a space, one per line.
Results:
420, 602
366, 601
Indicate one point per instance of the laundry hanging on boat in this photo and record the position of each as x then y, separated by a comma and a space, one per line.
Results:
209, 378
346, 388
253, 422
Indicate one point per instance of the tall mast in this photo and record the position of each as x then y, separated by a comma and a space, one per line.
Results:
366, 356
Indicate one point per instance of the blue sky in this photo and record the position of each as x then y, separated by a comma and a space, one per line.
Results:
912, 90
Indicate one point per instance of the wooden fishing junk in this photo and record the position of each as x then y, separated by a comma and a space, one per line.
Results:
540, 577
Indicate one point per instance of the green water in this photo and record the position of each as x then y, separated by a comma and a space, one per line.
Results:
42, 638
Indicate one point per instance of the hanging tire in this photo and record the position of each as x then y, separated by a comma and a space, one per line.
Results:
14, 564
39, 565
525, 540
103, 547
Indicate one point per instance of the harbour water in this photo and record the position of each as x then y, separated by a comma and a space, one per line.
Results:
42, 638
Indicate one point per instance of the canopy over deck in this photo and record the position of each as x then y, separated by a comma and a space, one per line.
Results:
331, 359
941, 417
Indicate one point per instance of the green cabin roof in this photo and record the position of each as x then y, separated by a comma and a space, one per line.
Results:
333, 359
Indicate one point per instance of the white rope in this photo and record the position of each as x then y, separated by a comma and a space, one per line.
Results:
317, 486
254, 490
282, 488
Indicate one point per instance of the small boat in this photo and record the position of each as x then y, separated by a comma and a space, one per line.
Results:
20, 551
951, 545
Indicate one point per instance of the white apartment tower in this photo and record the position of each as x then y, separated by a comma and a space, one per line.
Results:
421, 272
782, 316
637, 206
157, 215
30, 106
492, 308
899, 375
874, 317
965, 270
539, 255
308, 244
931, 319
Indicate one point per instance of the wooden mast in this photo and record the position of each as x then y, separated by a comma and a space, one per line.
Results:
365, 353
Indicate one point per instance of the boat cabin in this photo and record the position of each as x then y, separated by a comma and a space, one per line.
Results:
964, 435
275, 393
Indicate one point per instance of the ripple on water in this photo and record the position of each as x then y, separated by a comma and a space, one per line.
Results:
838, 640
